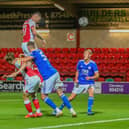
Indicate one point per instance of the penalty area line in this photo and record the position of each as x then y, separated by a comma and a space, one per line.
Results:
81, 123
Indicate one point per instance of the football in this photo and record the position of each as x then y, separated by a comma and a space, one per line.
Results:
83, 21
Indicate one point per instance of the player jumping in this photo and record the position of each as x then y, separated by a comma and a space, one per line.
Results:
86, 73
51, 79
30, 33
31, 86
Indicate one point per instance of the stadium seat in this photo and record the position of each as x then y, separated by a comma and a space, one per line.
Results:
73, 50
121, 50
101, 79
65, 50
97, 50
118, 79
80, 50
109, 80
49, 50
68, 79
105, 50
113, 50
43, 49
57, 50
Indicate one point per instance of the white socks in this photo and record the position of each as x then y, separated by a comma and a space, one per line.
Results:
58, 110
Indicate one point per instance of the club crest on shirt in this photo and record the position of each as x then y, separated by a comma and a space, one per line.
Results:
89, 67
81, 66
85, 72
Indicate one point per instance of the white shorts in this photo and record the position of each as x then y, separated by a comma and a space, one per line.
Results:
52, 82
82, 88
25, 49
31, 84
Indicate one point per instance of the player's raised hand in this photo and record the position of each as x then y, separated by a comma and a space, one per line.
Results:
4, 76
88, 78
44, 42
76, 81
13, 75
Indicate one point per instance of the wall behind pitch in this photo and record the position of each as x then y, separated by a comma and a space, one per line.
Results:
103, 38
56, 38
10, 38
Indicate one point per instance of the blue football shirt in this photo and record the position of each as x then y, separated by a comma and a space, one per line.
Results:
43, 64
86, 70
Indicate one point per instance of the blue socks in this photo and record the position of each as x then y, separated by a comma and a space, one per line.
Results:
62, 106
50, 103
66, 102
90, 103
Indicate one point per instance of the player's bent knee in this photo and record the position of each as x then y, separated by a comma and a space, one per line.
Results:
91, 92
33, 95
59, 91
25, 96
43, 96
72, 96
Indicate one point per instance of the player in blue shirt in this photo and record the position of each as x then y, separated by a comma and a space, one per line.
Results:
86, 73
51, 79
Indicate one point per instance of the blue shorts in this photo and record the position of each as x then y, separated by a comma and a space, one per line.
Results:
82, 88
52, 82
25, 49
31, 84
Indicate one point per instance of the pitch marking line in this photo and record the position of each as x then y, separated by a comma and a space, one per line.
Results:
82, 123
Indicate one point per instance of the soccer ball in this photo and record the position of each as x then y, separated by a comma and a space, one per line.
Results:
83, 21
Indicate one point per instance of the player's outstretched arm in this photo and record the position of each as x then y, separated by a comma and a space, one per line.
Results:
76, 77
17, 72
38, 36
28, 58
21, 68
42, 40
11, 75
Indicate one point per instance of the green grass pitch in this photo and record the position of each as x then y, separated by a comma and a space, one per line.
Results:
107, 107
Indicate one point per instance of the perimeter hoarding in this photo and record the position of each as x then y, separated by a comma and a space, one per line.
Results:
115, 88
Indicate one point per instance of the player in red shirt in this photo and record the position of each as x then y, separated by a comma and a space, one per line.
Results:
29, 32
32, 82
38, 73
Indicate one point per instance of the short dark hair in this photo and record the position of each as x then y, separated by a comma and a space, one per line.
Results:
31, 44
37, 13
9, 57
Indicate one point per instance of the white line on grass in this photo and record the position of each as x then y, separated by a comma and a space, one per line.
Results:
82, 123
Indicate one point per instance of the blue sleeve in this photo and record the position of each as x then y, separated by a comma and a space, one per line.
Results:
95, 68
32, 55
78, 64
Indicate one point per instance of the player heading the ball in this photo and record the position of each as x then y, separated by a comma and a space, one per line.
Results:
30, 33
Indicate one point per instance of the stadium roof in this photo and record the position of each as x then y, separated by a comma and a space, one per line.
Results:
70, 6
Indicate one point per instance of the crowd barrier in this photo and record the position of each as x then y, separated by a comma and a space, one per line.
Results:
100, 87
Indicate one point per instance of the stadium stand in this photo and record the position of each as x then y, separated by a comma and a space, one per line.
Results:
113, 63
